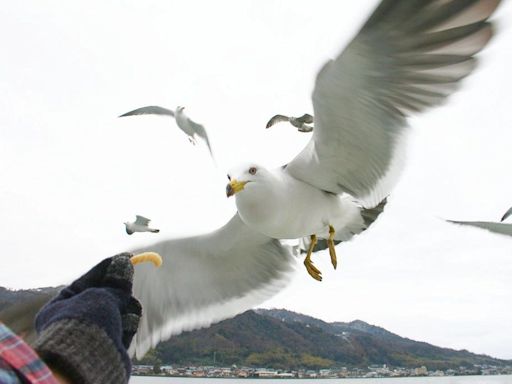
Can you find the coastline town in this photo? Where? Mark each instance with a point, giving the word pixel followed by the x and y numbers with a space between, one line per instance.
pixel 373 371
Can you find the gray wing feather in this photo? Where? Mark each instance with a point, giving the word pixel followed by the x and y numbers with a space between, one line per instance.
pixel 500 228
pixel 277 119
pixel 151 110
pixel 409 56
pixel 201 132
pixel 205 279
pixel 141 220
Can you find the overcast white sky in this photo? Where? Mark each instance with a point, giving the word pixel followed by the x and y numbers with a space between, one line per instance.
pixel 72 173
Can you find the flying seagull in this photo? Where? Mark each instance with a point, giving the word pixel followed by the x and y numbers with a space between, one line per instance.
pixel 492 226
pixel 190 127
pixel 408 56
pixel 139 225
pixel 301 123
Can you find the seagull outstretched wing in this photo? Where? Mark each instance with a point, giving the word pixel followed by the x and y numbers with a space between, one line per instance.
pixel 277 119
pixel 205 279
pixel 151 110
pixel 409 56
pixel 491 226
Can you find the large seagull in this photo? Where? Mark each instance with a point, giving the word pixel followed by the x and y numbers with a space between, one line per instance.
pixel 408 56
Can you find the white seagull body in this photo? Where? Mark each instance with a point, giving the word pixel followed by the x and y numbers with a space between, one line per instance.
pixel 409 56
pixel 191 128
pixel 284 193
pixel 141 224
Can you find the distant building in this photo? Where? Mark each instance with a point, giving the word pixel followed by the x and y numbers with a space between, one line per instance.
pixel 264 372
pixel 421 371
pixel 142 369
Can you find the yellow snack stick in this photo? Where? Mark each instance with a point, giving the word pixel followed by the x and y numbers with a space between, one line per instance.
pixel 153 257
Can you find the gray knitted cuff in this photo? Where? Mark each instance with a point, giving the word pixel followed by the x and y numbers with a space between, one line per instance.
pixel 83 352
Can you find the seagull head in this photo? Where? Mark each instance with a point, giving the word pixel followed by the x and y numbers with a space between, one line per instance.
pixel 179 108
pixel 241 176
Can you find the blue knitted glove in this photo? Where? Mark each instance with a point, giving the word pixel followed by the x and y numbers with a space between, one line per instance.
pixel 84 331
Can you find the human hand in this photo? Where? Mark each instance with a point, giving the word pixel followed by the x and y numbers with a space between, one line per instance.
pixel 85 330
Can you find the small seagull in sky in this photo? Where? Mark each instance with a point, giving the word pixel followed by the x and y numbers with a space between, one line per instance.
pixel 139 225
pixel 188 126
pixel 301 123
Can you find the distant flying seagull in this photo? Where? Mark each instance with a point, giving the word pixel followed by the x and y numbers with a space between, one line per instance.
pixel 492 226
pixel 139 225
pixel 408 57
pixel 188 126
pixel 301 123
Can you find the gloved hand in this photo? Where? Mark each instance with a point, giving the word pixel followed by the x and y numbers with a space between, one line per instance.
pixel 84 331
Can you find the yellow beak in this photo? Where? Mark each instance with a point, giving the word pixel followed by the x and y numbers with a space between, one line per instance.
pixel 234 186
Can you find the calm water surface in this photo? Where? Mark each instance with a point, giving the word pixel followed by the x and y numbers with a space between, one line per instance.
pixel 506 379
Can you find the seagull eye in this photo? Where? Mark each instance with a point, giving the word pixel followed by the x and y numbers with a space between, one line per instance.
pixel 252 170
pixel 229 177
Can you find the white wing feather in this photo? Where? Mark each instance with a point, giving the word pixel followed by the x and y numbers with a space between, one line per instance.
pixel 205 279
pixel 408 56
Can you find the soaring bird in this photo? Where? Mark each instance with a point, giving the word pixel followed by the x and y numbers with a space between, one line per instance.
pixel 190 127
pixel 139 225
pixel 301 123
pixel 407 57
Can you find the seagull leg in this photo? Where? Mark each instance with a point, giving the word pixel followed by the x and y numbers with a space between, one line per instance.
pixel 191 139
pixel 312 270
pixel 332 250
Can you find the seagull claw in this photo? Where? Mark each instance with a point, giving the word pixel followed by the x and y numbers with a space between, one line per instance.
pixel 332 249
pixel 309 267
pixel 313 271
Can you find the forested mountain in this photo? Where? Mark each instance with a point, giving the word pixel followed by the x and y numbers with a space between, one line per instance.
pixel 283 339
pixel 287 340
